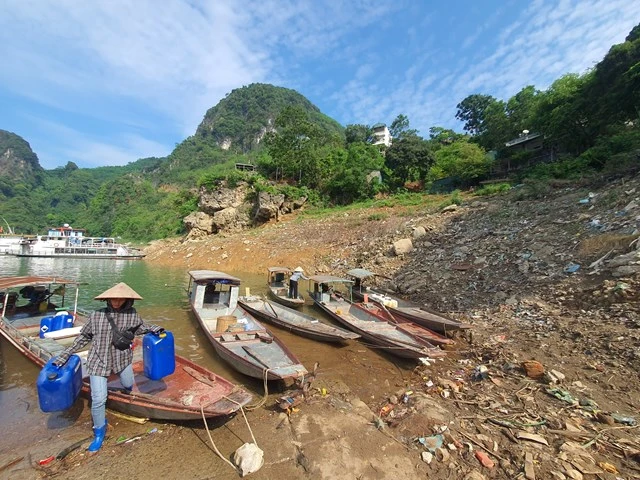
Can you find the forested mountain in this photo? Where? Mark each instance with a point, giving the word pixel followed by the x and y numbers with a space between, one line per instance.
pixel 240 120
pixel 18 163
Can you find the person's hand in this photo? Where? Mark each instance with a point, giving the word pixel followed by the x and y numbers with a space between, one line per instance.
pixel 58 363
pixel 158 332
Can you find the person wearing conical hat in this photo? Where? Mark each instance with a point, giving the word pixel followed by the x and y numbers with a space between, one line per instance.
pixel 111 331
pixel 298 273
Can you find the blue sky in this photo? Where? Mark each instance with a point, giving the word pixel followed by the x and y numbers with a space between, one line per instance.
pixel 106 82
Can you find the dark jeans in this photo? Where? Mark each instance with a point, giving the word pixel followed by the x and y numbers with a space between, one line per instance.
pixel 293 289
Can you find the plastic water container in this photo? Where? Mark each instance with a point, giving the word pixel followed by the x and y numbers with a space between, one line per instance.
pixel 46 325
pixel 158 355
pixel 62 321
pixel 58 388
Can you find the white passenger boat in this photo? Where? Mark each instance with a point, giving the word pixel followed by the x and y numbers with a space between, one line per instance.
pixel 71 242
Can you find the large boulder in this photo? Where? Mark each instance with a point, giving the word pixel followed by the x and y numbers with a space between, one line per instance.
pixel 212 201
pixel 402 246
pixel 198 224
pixel 226 219
pixel 268 206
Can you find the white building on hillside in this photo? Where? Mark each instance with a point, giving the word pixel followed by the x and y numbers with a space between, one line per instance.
pixel 381 135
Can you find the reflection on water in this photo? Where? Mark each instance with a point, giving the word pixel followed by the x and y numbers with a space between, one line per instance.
pixel 165 302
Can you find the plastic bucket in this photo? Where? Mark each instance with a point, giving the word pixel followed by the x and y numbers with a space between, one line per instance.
pixel 224 322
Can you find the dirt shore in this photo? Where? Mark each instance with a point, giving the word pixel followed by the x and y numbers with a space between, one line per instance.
pixel 546 385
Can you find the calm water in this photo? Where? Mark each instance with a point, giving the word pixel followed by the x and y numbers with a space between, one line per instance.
pixel 165 303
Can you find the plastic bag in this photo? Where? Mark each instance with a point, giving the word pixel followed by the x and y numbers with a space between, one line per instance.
pixel 248 458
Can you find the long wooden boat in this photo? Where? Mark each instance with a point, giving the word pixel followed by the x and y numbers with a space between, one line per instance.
pixel 295 321
pixel 278 288
pixel 178 396
pixel 403 309
pixel 403 324
pixel 384 334
pixel 235 334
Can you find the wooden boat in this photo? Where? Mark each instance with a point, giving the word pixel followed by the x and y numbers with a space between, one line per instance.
pixel 384 334
pixel 178 396
pixel 295 321
pixel 403 309
pixel 277 282
pixel 236 335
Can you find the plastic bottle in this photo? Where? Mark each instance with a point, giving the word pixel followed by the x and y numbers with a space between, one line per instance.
pixel 58 388
pixel 158 355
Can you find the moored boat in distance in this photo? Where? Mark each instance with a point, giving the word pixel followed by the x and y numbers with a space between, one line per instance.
pixel 295 321
pixel 277 282
pixel 179 396
pixel 68 242
pixel 403 309
pixel 238 338
pixel 384 334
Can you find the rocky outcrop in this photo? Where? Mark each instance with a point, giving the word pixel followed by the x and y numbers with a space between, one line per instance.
pixel 268 206
pixel 212 201
pixel 224 209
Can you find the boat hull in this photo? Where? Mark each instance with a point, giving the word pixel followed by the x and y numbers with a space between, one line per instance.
pixel 307 330
pixel 274 293
pixel 415 314
pixel 418 350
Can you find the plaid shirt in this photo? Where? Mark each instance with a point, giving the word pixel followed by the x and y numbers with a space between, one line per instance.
pixel 103 357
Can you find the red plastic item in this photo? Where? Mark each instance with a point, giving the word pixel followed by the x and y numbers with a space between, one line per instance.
pixel 384 411
pixel 484 459
pixel 46 461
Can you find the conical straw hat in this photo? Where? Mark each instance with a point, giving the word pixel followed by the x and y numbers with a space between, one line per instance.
pixel 298 269
pixel 121 290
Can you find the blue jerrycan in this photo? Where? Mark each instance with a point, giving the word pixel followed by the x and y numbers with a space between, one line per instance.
pixel 159 356
pixel 46 325
pixel 58 388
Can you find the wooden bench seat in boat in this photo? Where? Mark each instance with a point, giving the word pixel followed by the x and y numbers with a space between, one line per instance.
pixel 265 355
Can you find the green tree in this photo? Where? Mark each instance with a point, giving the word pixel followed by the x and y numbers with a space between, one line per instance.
pixel 399 128
pixel 463 160
pixel 408 160
pixel 472 110
pixel 358 133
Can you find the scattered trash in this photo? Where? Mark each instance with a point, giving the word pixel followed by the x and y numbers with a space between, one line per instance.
pixel 630 421
pixel 572 268
pixel 484 459
pixel 481 372
pixel 384 411
pixel 562 395
pixel 532 437
pixel 432 443
pixel 46 461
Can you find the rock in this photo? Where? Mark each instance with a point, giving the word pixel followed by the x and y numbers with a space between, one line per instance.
pixel 626 271
pixel 533 369
pixel 427 457
pixel 198 224
pixel 268 206
pixel 212 201
pixel 451 208
pixel 402 246
pixel 224 219
pixel 624 259
pixel 560 376
pixel 418 232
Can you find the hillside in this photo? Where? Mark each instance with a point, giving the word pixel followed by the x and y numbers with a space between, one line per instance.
pixel 241 119
pixel 18 163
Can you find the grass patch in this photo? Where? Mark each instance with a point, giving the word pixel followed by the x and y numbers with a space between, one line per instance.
pixel 492 189
pixel 601 244
pixel 376 217
pixel 454 199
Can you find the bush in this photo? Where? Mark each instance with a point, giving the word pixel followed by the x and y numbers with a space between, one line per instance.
pixel 454 199
pixel 492 189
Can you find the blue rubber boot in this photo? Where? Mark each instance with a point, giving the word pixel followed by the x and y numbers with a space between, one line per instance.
pixel 99 434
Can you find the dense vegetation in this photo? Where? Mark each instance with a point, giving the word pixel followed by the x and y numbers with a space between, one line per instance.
pixel 588 122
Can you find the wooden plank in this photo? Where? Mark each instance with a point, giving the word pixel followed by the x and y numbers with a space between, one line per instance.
pixel 267 355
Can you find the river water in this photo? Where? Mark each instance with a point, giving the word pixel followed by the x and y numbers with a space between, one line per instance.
pixel 164 292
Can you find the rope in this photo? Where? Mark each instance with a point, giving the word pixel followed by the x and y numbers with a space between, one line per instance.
pixel 266 392
pixel 206 426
